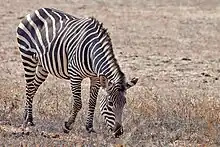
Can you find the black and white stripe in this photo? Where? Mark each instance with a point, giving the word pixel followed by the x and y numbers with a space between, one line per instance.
pixel 68 47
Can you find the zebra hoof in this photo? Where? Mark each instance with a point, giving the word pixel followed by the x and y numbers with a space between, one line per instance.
pixel 30 123
pixel 65 128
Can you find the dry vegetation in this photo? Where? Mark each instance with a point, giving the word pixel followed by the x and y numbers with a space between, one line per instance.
pixel 171 45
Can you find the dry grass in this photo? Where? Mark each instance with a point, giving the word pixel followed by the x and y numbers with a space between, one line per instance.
pixel 173 46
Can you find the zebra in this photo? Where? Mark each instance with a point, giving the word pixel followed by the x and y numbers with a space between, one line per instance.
pixel 72 48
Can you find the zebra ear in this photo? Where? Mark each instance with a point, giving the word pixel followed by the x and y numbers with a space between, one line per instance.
pixel 103 81
pixel 131 83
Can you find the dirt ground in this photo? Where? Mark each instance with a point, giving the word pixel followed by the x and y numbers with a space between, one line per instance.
pixel 173 46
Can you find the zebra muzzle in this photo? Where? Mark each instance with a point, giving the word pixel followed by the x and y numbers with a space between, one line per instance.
pixel 118 130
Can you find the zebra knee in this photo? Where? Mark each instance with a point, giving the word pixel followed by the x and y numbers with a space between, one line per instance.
pixel 77 107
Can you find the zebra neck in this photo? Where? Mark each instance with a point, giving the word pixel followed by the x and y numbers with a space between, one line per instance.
pixel 104 63
pixel 114 74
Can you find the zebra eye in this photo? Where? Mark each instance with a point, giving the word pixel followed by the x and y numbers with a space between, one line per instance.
pixel 110 103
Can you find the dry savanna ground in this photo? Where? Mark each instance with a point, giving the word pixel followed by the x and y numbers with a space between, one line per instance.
pixel 173 46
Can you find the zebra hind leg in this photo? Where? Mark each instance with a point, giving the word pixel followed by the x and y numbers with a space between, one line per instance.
pixel 31 88
pixel 40 77
pixel 94 89
pixel 30 65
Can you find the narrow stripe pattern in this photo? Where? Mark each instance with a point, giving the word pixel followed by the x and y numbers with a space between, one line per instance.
pixel 71 48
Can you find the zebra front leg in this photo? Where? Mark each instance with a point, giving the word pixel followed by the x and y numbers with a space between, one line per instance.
pixel 94 89
pixel 76 103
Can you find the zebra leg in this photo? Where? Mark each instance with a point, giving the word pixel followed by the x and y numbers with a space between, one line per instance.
pixel 94 89
pixel 39 78
pixel 76 103
pixel 30 65
pixel 28 117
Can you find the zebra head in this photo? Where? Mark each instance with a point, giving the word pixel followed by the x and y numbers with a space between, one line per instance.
pixel 112 103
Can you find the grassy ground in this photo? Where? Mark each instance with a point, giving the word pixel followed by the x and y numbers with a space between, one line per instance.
pixel 172 46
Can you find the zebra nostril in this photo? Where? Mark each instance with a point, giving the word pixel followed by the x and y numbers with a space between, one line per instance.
pixel 110 130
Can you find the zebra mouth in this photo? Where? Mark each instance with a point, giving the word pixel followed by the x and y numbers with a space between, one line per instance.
pixel 118 131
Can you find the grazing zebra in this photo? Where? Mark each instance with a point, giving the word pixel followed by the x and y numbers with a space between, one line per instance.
pixel 72 48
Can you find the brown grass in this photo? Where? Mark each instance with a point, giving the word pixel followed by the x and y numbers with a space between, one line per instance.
pixel 172 46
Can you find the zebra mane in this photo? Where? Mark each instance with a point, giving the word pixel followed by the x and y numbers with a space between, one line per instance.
pixel 104 31
pixel 106 34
